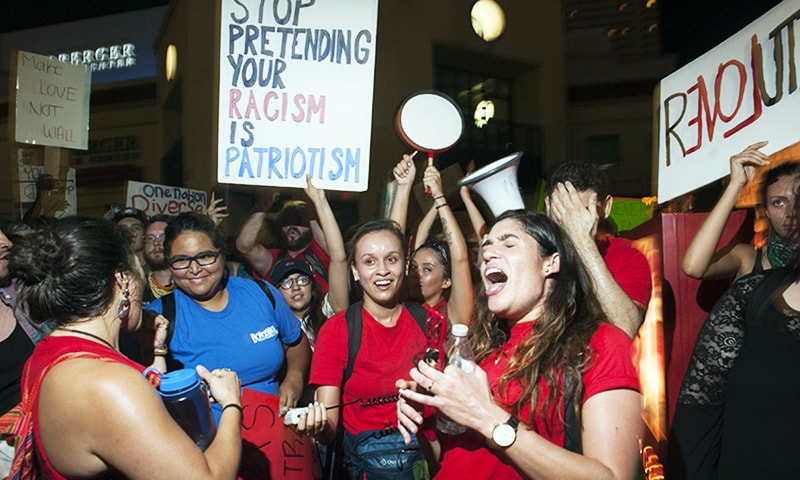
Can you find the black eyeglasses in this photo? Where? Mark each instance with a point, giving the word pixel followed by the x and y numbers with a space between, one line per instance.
pixel 204 259
pixel 287 282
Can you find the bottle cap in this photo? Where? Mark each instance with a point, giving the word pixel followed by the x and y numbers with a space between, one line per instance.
pixel 177 382
pixel 459 330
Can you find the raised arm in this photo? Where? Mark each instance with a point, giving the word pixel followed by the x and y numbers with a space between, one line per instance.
pixel 338 292
pixel 256 254
pixel 424 227
pixel 565 206
pixel 215 211
pixel 404 173
pixel 461 305
pixel 700 260
pixel 475 217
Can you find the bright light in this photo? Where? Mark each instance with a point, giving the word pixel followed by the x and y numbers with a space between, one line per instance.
pixel 171 62
pixel 484 112
pixel 488 19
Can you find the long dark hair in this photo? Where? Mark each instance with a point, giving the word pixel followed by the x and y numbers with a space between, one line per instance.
pixel 560 338
pixel 67 268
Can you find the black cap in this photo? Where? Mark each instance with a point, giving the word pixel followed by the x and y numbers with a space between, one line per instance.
pixel 286 266
pixel 130 213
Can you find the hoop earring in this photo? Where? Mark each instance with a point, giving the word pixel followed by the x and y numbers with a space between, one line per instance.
pixel 124 306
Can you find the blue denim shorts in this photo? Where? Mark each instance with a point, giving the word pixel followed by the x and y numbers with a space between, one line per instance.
pixel 383 454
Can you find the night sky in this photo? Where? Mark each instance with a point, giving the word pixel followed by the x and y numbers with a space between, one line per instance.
pixel 690 27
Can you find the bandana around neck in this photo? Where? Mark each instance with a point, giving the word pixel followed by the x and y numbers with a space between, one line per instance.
pixel 779 251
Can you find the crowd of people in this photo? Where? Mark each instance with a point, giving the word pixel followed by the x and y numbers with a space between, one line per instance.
pixel 352 334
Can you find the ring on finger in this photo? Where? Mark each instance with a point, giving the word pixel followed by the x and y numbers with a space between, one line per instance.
pixel 430 387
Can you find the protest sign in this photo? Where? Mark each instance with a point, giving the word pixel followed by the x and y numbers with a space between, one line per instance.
pixel 269 448
pixel 154 199
pixel 295 97
pixel 53 206
pixel 741 92
pixel 49 102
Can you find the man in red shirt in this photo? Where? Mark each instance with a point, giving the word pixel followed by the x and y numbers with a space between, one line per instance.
pixel 300 237
pixel 579 202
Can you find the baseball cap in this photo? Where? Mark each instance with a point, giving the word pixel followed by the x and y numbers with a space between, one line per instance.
pixel 130 213
pixel 286 266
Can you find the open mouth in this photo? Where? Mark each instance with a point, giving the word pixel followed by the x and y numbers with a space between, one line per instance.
pixel 383 284
pixel 494 280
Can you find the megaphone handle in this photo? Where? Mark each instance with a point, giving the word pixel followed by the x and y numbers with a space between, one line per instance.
pixel 430 164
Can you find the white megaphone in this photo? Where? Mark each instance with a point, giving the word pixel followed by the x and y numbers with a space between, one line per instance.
pixel 497 184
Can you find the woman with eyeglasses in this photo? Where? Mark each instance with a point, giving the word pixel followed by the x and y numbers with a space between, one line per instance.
pixel 442 279
pixel 230 322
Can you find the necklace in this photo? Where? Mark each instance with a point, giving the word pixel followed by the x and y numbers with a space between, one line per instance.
pixel 92 335
pixel 158 289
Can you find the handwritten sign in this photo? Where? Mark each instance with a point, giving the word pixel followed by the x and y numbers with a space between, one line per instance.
pixel 296 84
pixel 50 102
pixel 270 449
pixel 154 199
pixel 742 91
pixel 55 206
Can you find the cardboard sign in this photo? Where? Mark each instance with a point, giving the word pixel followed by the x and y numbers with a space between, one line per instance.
pixel 269 448
pixel 741 92
pixel 154 199
pixel 295 99
pixel 53 206
pixel 50 104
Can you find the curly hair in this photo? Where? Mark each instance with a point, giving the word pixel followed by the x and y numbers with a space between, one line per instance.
pixel 560 337
pixel 67 269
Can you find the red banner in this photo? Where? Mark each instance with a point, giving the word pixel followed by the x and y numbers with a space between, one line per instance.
pixel 270 449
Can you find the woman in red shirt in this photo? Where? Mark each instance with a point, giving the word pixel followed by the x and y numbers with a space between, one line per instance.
pixel 539 309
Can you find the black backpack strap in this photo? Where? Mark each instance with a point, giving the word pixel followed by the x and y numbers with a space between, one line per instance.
pixel 353 320
pixel 572 427
pixel 419 313
pixel 262 284
pixel 169 312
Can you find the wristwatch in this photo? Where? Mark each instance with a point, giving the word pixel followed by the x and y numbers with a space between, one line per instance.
pixel 504 434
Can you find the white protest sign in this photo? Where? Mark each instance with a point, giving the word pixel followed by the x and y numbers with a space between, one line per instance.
pixel 50 102
pixel 57 205
pixel 154 199
pixel 295 99
pixel 741 92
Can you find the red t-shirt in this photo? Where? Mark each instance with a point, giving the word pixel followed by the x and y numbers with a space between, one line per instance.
pixel 386 355
pixel 321 254
pixel 47 351
pixel 467 456
pixel 629 268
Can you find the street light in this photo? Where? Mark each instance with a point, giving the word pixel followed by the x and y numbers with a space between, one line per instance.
pixel 488 19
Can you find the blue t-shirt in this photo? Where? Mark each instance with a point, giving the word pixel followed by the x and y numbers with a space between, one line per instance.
pixel 247 336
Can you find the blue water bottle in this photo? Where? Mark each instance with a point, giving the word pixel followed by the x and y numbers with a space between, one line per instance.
pixel 186 399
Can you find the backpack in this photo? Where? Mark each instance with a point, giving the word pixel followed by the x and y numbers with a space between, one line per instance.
pixel 333 467
pixel 16 426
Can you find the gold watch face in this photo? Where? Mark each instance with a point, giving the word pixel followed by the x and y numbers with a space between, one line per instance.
pixel 504 435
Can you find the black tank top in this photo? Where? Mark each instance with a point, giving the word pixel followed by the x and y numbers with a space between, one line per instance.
pixel 16 350
pixel 758 267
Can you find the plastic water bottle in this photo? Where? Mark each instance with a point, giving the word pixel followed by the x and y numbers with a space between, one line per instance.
pixel 459 353
pixel 186 399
